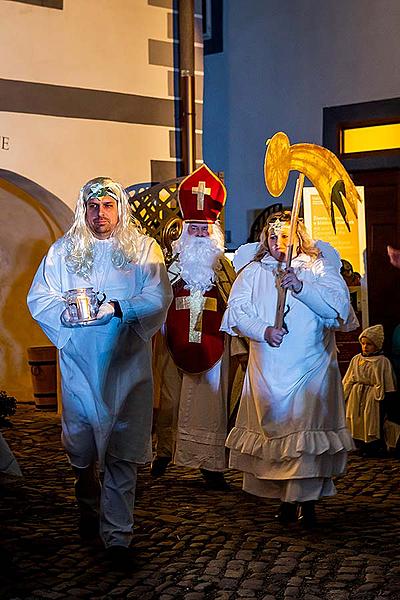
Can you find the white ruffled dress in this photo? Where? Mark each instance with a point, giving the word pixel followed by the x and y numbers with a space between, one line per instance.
pixel 290 436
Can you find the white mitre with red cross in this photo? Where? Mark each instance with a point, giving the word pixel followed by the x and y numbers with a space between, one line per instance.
pixel 201 196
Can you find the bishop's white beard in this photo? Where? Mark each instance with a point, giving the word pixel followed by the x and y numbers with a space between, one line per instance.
pixel 198 261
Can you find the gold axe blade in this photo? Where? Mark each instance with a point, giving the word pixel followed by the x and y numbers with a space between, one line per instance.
pixel 321 167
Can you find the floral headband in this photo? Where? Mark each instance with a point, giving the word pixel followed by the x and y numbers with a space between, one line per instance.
pixel 98 190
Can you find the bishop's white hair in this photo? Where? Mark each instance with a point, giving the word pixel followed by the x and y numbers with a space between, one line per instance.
pixel 80 241
pixel 198 258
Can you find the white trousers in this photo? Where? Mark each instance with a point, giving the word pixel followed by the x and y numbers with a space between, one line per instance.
pixel 112 500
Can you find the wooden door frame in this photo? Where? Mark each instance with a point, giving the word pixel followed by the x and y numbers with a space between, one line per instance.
pixel 378 112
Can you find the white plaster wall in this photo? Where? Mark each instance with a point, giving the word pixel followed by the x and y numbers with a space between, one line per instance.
pixel 93 44
pixel 283 61
pixel 64 153
pixel 97 44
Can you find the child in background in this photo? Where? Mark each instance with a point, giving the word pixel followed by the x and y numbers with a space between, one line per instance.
pixel 369 377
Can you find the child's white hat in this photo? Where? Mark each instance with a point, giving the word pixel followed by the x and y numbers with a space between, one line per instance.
pixel 374 334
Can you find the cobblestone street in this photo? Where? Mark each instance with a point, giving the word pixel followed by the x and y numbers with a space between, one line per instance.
pixel 193 543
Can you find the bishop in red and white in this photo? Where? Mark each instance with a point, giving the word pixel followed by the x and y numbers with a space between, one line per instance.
pixel 192 355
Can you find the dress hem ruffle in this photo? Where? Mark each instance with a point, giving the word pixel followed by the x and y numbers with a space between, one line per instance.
pixel 291 446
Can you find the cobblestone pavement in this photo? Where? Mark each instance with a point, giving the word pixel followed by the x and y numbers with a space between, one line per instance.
pixel 193 543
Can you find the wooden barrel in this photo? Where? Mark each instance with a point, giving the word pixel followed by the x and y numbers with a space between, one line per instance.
pixel 43 363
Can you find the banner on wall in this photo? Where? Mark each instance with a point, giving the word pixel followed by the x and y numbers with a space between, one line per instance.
pixel 351 245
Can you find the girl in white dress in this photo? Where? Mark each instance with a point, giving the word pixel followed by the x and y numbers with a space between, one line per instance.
pixel 290 436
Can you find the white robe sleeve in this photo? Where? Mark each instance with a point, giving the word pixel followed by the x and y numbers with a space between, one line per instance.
pixel 386 379
pixel 327 295
pixel 147 310
pixel 240 317
pixel 45 298
pixel 349 379
pixel 331 256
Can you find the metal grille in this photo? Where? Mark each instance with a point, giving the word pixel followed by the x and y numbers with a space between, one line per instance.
pixel 156 208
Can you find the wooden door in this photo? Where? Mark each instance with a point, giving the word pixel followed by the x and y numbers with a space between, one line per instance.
pixel 382 215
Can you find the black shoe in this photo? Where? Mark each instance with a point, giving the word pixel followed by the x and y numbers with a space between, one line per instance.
pixel 215 480
pixel 159 466
pixel 121 558
pixel 375 451
pixel 307 516
pixel 287 513
pixel 88 527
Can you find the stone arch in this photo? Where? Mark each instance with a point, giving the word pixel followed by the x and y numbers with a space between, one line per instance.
pixel 31 219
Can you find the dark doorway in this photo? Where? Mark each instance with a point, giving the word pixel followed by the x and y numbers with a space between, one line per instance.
pixel 379 172
pixel 382 215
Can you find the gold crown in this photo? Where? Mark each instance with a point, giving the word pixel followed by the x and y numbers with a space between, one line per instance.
pixel 277 225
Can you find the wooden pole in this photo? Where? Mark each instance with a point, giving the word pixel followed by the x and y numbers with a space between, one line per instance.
pixel 280 309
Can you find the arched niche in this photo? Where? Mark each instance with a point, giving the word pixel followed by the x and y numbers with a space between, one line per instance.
pixel 31 219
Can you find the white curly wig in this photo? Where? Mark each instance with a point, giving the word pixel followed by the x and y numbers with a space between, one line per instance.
pixel 80 241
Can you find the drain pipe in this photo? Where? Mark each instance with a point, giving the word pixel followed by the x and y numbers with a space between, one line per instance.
pixel 186 85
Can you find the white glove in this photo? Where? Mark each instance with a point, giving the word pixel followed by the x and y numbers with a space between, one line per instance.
pixel 105 314
pixel 66 320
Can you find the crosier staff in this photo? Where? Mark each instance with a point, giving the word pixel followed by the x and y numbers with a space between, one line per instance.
pixel 282 292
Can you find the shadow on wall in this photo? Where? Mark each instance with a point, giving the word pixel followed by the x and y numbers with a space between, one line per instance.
pixel 31 219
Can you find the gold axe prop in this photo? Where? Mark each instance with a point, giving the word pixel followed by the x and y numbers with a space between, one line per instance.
pixel 325 172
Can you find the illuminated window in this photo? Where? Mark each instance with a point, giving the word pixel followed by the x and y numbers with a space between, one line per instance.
pixel 371 139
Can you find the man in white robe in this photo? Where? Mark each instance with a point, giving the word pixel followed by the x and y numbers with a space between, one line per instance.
pixel 290 436
pixel 194 394
pixel 105 362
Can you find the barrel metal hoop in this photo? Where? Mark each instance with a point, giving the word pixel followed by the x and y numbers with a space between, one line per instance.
pixel 40 363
